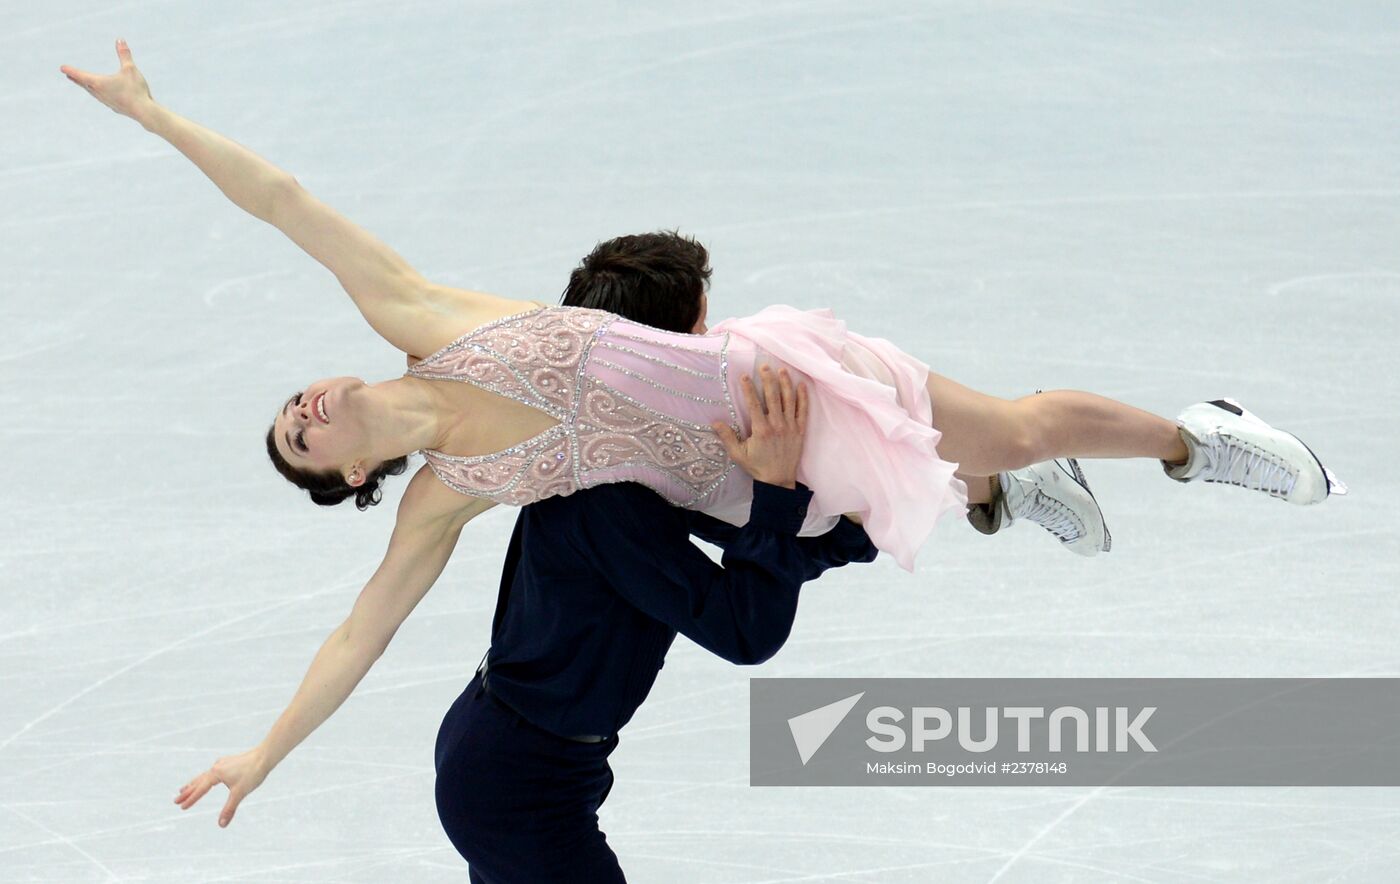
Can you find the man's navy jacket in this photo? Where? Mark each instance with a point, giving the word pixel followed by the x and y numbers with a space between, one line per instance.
pixel 596 585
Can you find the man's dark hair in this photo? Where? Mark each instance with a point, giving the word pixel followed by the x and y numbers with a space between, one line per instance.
pixel 655 279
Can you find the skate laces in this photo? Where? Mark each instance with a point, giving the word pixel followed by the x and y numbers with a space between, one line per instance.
pixel 1234 461
pixel 1053 516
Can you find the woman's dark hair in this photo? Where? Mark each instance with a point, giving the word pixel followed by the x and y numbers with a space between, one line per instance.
pixel 655 279
pixel 329 489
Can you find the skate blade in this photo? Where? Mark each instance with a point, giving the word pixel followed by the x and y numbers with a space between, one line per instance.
pixel 1335 486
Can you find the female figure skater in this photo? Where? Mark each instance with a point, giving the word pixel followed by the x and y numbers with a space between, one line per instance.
pixel 553 399
pixel 548 400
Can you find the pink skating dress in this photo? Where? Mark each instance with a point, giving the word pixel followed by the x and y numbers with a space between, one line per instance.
pixel 635 404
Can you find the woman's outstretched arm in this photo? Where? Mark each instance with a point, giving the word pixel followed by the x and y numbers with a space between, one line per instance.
pixel 393 297
pixel 422 543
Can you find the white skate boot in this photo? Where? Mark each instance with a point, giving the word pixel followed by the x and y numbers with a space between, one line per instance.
pixel 1055 496
pixel 1231 446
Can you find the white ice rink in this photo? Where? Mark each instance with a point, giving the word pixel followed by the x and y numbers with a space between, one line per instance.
pixel 1160 202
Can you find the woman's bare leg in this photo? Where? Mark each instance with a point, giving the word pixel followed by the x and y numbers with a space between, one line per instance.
pixel 985 435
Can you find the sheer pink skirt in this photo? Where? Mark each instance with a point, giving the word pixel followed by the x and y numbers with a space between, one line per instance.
pixel 870 447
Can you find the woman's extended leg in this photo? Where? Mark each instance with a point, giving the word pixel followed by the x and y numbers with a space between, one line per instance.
pixel 985 435
pixel 1216 441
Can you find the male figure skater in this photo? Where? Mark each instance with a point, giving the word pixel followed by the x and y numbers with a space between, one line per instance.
pixel 595 587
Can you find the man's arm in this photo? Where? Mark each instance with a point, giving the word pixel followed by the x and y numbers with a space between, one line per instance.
pixel 771 454
pixel 845 543
pixel 740 609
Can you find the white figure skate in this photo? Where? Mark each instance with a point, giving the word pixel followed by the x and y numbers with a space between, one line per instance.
pixel 1055 496
pixel 1231 446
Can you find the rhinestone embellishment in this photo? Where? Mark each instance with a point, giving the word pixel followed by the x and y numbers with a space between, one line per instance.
pixel 590 371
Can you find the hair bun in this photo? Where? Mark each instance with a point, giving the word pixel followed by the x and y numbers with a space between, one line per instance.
pixel 329 489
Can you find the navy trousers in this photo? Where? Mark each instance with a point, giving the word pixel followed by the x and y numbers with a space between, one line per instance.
pixel 519 803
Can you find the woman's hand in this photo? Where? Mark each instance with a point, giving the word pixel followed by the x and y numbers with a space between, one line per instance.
pixel 125 91
pixel 777 424
pixel 241 773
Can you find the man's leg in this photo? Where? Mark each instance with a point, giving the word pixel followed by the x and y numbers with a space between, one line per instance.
pixel 520 804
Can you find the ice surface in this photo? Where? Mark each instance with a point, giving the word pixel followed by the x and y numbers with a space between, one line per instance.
pixel 1163 203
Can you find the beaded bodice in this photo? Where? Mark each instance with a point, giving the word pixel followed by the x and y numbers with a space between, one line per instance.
pixel 632 403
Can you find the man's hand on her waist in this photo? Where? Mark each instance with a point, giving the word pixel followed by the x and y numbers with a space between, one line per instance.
pixel 777 424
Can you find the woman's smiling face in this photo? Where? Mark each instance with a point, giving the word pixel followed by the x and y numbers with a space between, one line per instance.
pixel 318 429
